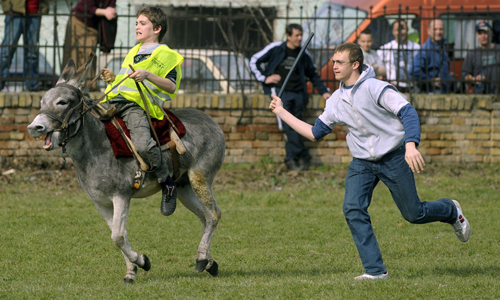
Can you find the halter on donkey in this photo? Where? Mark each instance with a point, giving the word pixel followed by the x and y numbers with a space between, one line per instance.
pixel 109 181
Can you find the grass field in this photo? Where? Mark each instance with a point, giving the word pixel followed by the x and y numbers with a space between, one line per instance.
pixel 282 236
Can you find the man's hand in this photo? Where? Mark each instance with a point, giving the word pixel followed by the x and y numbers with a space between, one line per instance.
pixel 437 82
pixel 110 13
pixel 414 158
pixel 480 79
pixel 326 96
pixel 275 78
pixel 276 104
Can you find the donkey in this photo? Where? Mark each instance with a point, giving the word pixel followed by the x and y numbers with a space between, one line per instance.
pixel 108 181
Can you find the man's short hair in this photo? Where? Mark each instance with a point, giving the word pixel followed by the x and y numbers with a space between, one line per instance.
pixel 291 27
pixel 355 53
pixel 157 16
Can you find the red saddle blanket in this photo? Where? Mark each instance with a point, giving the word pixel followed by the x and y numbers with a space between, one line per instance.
pixel 120 148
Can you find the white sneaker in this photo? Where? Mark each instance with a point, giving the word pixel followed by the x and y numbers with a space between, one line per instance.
pixel 461 225
pixel 372 277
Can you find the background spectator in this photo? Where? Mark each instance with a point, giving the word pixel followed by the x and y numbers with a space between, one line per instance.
pixel 82 31
pixel 397 56
pixel 22 17
pixel 482 65
pixel 431 66
pixel 280 57
pixel 365 41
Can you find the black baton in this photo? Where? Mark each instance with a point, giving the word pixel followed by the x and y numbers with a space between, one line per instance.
pixel 295 64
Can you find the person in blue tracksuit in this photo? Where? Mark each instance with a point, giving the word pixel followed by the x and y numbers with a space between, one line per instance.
pixel 278 59
pixel 384 132
pixel 431 66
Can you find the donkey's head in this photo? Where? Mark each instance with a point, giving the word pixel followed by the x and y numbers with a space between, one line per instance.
pixel 60 105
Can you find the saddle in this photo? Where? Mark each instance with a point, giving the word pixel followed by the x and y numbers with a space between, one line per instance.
pixel 162 128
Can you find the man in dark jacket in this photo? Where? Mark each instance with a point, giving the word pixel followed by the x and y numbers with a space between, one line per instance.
pixel 481 66
pixel 82 32
pixel 279 58
pixel 431 66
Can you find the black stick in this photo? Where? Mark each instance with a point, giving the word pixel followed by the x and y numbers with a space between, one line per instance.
pixel 295 65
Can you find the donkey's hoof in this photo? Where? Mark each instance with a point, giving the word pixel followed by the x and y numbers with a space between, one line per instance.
pixel 128 280
pixel 147 264
pixel 201 265
pixel 214 269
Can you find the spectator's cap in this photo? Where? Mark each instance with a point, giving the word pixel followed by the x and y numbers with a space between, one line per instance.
pixel 483 26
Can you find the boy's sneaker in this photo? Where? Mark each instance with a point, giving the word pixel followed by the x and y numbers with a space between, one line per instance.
pixel 461 225
pixel 168 197
pixel 372 277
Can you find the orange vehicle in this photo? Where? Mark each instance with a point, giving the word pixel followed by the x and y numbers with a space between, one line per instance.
pixel 348 18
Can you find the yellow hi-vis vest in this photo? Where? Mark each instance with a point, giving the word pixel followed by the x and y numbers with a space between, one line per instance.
pixel 161 61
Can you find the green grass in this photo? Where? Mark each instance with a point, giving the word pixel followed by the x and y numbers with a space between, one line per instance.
pixel 282 236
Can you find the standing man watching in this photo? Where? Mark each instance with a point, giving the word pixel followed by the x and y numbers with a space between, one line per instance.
pixel 82 32
pixel 384 133
pixel 482 65
pixel 397 56
pixel 22 17
pixel 279 58
pixel 431 66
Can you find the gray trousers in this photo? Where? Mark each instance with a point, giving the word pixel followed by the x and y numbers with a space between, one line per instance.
pixel 137 123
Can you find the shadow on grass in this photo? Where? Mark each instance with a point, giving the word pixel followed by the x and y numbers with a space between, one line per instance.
pixel 264 273
pixel 468 271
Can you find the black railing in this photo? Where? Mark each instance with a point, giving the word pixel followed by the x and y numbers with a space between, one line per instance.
pixel 217 43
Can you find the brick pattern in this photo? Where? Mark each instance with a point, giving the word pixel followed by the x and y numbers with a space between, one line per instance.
pixel 455 128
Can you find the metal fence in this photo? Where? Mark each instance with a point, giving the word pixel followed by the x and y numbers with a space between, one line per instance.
pixel 217 43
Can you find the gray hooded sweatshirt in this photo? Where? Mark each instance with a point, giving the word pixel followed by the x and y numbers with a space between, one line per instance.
pixel 374 126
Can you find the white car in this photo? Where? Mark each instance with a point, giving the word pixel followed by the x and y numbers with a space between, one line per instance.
pixel 203 71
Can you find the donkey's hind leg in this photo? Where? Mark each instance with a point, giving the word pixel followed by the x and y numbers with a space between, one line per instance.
pixel 200 200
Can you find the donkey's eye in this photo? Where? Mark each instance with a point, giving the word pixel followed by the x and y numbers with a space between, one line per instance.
pixel 62 102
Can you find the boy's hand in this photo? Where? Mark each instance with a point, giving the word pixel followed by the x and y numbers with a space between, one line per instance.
pixel 139 75
pixel 414 158
pixel 275 104
pixel 107 75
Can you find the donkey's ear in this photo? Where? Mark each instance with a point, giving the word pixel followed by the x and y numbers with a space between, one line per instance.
pixel 68 72
pixel 81 74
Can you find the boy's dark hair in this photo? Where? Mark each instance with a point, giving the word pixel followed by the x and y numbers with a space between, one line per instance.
pixel 355 53
pixel 366 31
pixel 157 16
pixel 290 27
pixel 398 21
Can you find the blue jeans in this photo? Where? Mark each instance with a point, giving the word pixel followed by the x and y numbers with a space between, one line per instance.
pixel 294 103
pixel 393 170
pixel 29 27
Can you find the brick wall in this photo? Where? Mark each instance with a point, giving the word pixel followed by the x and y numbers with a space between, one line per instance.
pixel 455 128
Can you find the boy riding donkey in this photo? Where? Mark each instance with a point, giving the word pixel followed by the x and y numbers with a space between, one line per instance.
pixel 158 69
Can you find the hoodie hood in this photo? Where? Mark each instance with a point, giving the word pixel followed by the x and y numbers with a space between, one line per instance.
pixel 366 73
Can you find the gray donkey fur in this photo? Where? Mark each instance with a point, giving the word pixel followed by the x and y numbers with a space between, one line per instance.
pixel 108 181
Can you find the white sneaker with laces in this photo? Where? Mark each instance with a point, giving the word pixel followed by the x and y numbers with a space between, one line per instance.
pixel 461 225
pixel 372 277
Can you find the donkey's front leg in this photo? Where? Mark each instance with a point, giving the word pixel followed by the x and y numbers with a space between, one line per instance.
pixel 119 237
pixel 108 212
